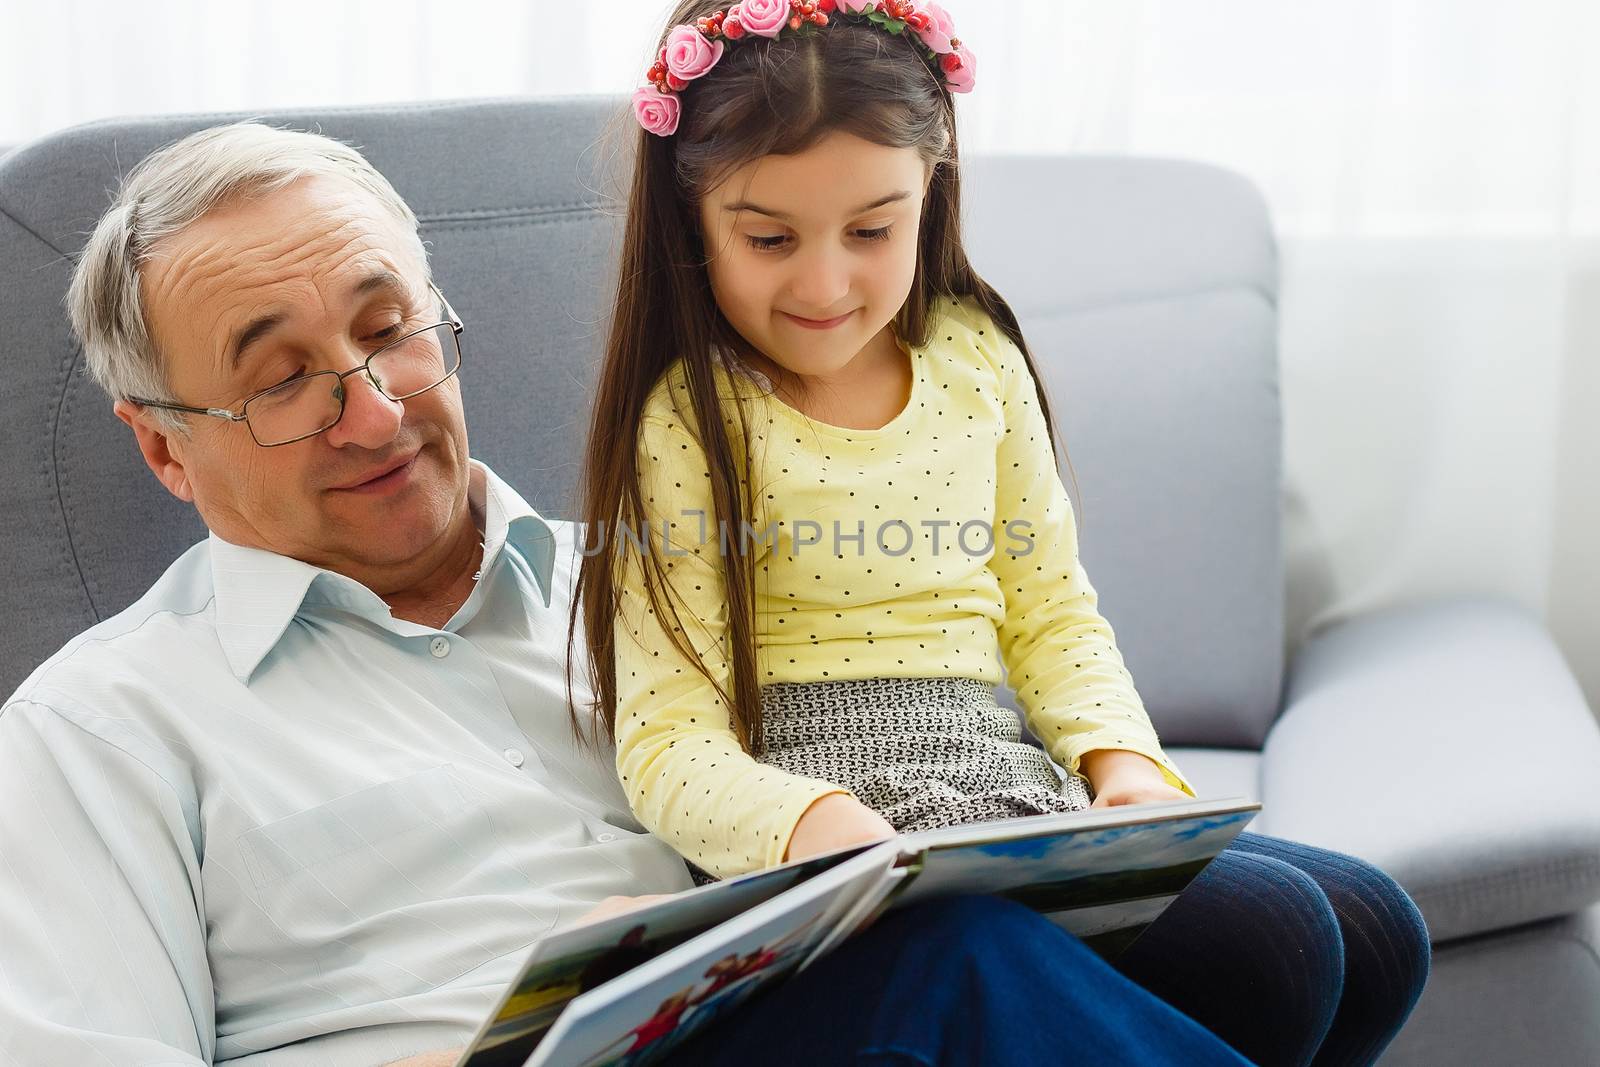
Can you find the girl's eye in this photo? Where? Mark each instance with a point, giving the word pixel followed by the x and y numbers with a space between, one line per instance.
pixel 766 244
pixel 879 234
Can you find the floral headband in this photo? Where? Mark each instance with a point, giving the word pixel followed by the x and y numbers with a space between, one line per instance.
pixel 691 51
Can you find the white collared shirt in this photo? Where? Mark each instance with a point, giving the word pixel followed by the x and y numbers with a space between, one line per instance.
pixel 255 818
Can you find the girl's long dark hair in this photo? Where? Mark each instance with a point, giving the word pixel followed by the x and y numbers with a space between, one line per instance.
pixel 764 97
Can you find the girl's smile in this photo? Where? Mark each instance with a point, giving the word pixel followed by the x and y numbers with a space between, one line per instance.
pixel 818 324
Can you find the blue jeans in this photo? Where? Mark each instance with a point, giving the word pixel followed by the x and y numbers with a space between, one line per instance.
pixel 969 980
pixel 1291 954
pixel 1288 953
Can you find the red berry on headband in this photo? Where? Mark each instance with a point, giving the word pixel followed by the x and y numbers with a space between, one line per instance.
pixel 826 6
pixel 950 62
pixel 819 19
pixel 675 83
pixel 733 29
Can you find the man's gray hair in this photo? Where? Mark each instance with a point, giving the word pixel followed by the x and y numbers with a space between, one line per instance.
pixel 168 191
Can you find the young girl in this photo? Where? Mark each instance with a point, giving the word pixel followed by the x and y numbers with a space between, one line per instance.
pixel 822 508
pixel 826 475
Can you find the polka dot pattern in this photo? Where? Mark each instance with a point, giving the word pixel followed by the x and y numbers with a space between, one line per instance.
pixel 941 544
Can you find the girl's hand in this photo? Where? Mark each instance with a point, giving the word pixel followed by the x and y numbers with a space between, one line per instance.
pixel 835 821
pixel 441 1058
pixel 1126 778
pixel 617 906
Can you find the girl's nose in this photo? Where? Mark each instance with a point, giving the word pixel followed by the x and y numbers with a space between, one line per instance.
pixel 821 282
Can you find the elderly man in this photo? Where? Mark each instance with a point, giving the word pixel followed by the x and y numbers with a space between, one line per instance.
pixel 310 798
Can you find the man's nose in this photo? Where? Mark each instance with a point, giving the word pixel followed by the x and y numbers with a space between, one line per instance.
pixel 370 420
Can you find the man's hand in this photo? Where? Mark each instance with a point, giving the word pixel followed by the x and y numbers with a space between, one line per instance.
pixel 1120 777
pixel 441 1058
pixel 618 905
pixel 835 821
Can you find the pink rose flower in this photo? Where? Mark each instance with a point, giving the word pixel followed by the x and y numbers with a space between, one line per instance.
pixel 941 27
pixel 962 78
pixel 764 17
pixel 689 54
pixel 656 111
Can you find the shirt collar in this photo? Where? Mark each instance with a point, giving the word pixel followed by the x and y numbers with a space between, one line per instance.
pixel 507 518
pixel 258 593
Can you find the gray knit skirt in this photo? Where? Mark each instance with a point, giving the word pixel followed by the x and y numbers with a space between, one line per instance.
pixel 922 752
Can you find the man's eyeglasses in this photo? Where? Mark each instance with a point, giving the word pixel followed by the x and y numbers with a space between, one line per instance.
pixel 306 406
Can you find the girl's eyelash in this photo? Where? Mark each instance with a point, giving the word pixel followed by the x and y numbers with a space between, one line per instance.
pixel 772 244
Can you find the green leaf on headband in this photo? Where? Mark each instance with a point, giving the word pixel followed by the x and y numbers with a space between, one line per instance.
pixel 877 16
pixel 894 25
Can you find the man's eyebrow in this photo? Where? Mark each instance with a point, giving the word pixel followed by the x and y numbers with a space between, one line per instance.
pixel 882 201
pixel 257 328
pixel 262 325
pixel 382 279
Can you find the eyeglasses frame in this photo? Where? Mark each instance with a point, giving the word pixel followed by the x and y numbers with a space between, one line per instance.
pixel 451 320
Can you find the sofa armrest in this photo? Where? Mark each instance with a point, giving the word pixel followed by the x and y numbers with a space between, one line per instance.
pixel 1449 744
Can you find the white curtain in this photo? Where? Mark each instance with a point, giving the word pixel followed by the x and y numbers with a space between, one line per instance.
pixel 1433 167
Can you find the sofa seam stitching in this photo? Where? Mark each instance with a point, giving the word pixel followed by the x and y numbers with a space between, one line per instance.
pixel 58 469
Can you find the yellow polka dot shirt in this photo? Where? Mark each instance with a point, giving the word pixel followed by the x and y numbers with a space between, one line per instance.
pixel 919 549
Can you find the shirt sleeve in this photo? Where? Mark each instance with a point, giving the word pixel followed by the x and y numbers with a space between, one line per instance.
pixel 1060 654
pixel 688 779
pixel 100 906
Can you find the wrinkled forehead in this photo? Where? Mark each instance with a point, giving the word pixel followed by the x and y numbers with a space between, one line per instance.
pixel 302 253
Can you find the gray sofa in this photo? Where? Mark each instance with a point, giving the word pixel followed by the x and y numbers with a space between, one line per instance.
pixel 1446 741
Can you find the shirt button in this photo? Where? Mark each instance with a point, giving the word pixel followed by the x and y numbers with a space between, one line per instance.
pixel 440 647
pixel 513 757
pixel 603 838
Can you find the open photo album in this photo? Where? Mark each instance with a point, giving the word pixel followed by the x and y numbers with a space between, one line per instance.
pixel 630 988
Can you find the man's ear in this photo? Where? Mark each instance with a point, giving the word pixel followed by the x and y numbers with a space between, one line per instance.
pixel 155 444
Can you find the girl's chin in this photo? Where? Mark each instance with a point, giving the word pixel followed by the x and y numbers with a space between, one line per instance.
pixel 825 352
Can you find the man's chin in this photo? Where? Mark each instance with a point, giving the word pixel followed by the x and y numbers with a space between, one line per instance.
pixel 389 530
